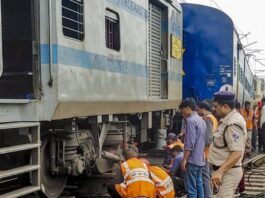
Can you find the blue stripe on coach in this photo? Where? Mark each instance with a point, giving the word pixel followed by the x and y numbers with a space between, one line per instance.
pixel 79 58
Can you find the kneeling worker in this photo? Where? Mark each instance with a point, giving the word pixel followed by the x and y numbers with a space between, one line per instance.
pixel 175 171
pixel 163 182
pixel 136 179
pixel 172 141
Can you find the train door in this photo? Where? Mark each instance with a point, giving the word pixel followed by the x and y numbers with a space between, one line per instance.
pixel 19 52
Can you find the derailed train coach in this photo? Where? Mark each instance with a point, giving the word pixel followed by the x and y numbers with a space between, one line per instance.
pixel 80 81
pixel 214 57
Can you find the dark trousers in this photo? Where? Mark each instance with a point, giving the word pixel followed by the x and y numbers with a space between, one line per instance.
pixel 263 136
pixel 178 185
pixel 112 191
pixel 260 139
pixel 254 139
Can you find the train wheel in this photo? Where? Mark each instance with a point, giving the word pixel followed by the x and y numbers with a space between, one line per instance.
pixel 51 186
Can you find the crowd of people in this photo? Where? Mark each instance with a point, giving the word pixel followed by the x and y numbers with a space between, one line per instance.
pixel 204 158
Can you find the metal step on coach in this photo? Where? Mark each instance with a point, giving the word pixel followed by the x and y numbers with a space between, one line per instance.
pixel 32 130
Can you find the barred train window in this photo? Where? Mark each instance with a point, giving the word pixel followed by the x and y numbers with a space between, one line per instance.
pixel 73 19
pixel 112 30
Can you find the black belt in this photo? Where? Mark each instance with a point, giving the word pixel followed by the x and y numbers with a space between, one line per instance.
pixel 217 167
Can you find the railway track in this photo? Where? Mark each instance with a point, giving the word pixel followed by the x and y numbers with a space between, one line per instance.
pixel 255 176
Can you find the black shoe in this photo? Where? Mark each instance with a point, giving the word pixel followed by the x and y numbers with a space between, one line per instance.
pixel 243 194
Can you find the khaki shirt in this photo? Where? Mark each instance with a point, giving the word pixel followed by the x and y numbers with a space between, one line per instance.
pixel 235 138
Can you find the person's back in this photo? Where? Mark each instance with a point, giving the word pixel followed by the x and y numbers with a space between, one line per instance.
pixel 137 182
pixel 136 179
pixel 163 182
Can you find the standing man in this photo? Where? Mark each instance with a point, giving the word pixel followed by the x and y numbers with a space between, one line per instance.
pixel 227 148
pixel 194 143
pixel 262 124
pixel 204 109
pixel 248 115
pixel 257 125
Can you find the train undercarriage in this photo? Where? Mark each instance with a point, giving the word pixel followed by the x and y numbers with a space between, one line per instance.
pixel 80 155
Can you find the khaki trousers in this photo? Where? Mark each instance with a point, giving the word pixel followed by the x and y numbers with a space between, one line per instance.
pixel 230 182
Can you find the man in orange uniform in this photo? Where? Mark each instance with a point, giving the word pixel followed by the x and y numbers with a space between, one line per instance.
pixel 204 109
pixel 136 178
pixel 248 115
pixel 163 182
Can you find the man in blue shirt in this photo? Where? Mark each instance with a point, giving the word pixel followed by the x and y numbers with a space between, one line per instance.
pixel 175 171
pixel 194 143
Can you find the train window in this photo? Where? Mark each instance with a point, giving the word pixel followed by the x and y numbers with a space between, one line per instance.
pixel 112 30
pixel 73 19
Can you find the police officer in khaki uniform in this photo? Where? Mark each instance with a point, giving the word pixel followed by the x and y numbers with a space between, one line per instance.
pixel 227 147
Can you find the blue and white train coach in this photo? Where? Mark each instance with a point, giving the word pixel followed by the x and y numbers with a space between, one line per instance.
pixel 78 79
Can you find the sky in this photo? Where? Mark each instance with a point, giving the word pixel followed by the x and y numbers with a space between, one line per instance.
pixel 248 16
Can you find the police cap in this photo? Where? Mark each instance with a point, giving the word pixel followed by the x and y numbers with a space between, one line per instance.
pixel 224 96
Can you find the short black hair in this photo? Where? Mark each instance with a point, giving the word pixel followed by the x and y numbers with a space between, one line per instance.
pixel 191 99
pixel 263 100
pixel 247 103
pixel 237 105
pixel 187 103
pixel 204 105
